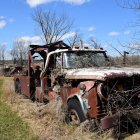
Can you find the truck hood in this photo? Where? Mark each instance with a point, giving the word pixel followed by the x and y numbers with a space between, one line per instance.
pixel 101 73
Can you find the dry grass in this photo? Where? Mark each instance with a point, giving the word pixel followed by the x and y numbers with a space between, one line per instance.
pixel 47 120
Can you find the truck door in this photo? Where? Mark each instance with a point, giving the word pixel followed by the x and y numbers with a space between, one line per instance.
pixel 56 72
pixel 27 83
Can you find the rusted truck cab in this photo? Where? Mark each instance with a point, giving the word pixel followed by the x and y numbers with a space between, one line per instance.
pixel 32 81
pixel 88 86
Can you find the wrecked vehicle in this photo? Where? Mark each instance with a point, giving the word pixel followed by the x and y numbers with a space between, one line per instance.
pixel 10 71
pixel 88 86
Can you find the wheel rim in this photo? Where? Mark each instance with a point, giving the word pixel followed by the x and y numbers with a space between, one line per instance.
pixel 74 117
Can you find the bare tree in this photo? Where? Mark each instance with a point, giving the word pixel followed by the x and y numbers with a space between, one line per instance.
pixel 94 43
pixel 53 26
pixel 19 52
pixel 130 4
pixel 2 55
pixel 75 40
pixel 134 5
pixel 133 46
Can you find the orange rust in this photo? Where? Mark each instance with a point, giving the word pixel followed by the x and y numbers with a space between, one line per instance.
pixel 93 102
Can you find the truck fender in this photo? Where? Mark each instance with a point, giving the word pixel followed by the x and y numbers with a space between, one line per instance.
pixel 79 98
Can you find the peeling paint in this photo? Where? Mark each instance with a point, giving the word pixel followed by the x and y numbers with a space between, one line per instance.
pixel 100 73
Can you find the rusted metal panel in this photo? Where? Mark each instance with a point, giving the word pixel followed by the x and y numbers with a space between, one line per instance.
pixel 25 84
pixel 68 91
pixel 100 73
pixel 88 84
pixel 93 103
pixel 109 121
pixel 64 93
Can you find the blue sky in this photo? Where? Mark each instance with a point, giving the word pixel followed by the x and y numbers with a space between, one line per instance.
pixel 102 19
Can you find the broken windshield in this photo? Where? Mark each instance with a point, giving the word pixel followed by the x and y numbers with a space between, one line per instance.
pixel 84 59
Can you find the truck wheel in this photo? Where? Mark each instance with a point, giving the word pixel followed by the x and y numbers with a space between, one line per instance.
pixel 18 87
pixel 32 94
pixel 75 112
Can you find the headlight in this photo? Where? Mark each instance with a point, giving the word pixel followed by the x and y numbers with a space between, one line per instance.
pixel 82 87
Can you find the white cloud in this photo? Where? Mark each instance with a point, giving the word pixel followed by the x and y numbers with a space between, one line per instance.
pixel 134 46
pixel 34 3
pixel 2 17
pixel 77 2
pixel 68 35
pixel 105 46
pixel 4 44
pixel 91 29
pixel 86 45
pixel 38 40
pixel 11 20
pixel 31 40
pixel 113 33
pixel 2 24
pixel 127 32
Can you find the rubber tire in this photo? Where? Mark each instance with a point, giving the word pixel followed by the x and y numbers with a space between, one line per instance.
pixel 32 94
pixel 73 104
pixel 18 87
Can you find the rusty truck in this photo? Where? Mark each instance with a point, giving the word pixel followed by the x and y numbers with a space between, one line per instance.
pixel 89 87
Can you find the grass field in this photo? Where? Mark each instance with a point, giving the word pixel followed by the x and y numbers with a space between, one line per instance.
pixel 12 127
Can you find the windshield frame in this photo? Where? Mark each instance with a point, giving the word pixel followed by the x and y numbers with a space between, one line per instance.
pixel 96 51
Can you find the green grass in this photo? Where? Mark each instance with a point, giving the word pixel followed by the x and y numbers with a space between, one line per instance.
pixel 1 82
pixel 12 127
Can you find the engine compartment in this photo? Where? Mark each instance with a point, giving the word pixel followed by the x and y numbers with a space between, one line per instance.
pixel 122 93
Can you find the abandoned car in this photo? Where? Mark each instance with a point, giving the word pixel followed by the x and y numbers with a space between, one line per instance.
pixel 88 86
